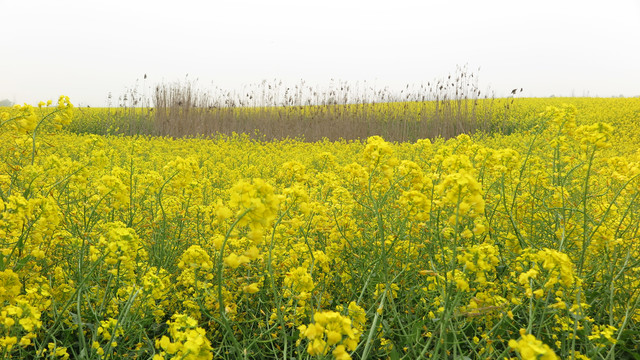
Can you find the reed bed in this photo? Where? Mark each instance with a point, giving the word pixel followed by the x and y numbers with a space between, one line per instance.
pixel 443 108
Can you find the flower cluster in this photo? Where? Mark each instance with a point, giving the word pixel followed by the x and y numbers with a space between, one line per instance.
pixel 185 341
pixel 531 348
pixel 256 204
pixel 330 330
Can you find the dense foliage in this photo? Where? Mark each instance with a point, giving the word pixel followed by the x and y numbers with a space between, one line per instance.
pixel 519 246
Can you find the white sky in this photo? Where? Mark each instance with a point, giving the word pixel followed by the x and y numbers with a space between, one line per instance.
pixel 86 49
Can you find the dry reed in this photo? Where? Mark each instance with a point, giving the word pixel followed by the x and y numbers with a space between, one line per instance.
pixel 270 110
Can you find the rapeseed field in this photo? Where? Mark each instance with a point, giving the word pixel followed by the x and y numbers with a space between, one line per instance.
pixel 485 246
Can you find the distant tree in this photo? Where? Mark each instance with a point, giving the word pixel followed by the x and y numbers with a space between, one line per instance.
pixel 6 102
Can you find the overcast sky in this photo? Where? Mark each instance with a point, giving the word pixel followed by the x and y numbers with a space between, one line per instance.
pixel 86 49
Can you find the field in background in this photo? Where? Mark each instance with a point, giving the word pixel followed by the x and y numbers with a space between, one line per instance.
pixel 268 111
pixel 395 121
pixel 522 242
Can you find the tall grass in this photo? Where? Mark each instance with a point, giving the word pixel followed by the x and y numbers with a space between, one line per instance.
pixel 272 110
